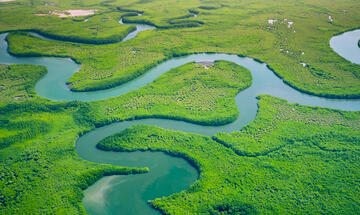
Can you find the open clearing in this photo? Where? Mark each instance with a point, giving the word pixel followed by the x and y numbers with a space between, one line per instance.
pixel 69 13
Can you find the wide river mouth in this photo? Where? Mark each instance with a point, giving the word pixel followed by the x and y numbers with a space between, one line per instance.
pixel 128 194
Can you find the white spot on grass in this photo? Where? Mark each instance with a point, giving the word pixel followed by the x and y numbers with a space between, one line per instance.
pixel 6 0
pixel 206 64
pixel 303 64
pixel 272 21
pixel 289 24
pixel 331 19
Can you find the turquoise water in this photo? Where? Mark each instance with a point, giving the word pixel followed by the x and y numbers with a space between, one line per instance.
pixel 139 28
pixel 346 45
pixel 128 194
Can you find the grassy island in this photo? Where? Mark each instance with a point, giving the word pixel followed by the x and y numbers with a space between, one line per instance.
pixel 192 92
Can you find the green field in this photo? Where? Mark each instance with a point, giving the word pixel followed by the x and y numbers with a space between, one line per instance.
pixel 291 159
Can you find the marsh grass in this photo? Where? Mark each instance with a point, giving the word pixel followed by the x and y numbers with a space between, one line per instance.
pixel 189 92
pixel 236 28
pixel 289 150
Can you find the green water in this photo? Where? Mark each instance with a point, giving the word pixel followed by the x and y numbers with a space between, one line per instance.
pixel 129 194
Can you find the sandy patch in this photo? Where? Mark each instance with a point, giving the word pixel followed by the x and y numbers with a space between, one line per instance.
pixel 206 64
pixel 69 13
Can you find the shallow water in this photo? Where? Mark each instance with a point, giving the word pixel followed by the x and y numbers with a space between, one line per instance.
pixel 128 194
pixel 139 28
pixel 346 45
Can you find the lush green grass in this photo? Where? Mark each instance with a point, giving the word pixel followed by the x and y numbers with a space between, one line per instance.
pixel 101 63
pixel 40 172
pixel 189 92
pixel 237 27
pixel 103 27
pixel 291 160
pixel 18 81
pixel 325 128
pixel 37 136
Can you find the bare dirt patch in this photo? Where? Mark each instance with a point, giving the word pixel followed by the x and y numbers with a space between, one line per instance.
pixel 69 13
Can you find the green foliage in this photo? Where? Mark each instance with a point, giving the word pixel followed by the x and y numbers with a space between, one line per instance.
pixel 235 27
pixel 191 92
pixel 103 27
pixel 291 160
pixel 23 130
pixel 300 173
pixel 40 172
pixel 18 81
pixel 289 125
pixel 102 65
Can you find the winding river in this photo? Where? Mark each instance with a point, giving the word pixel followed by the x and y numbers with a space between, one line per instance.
pixel 128 194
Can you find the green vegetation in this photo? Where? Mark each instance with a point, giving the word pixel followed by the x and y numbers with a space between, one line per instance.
pixel 40 172
pixel 18 81
pixel 38 159
pixel 99 28
pixel 291 160
pixel 101 64
pixel 103 27
pixel 290 125
pixel 235 27
pixel 191 92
